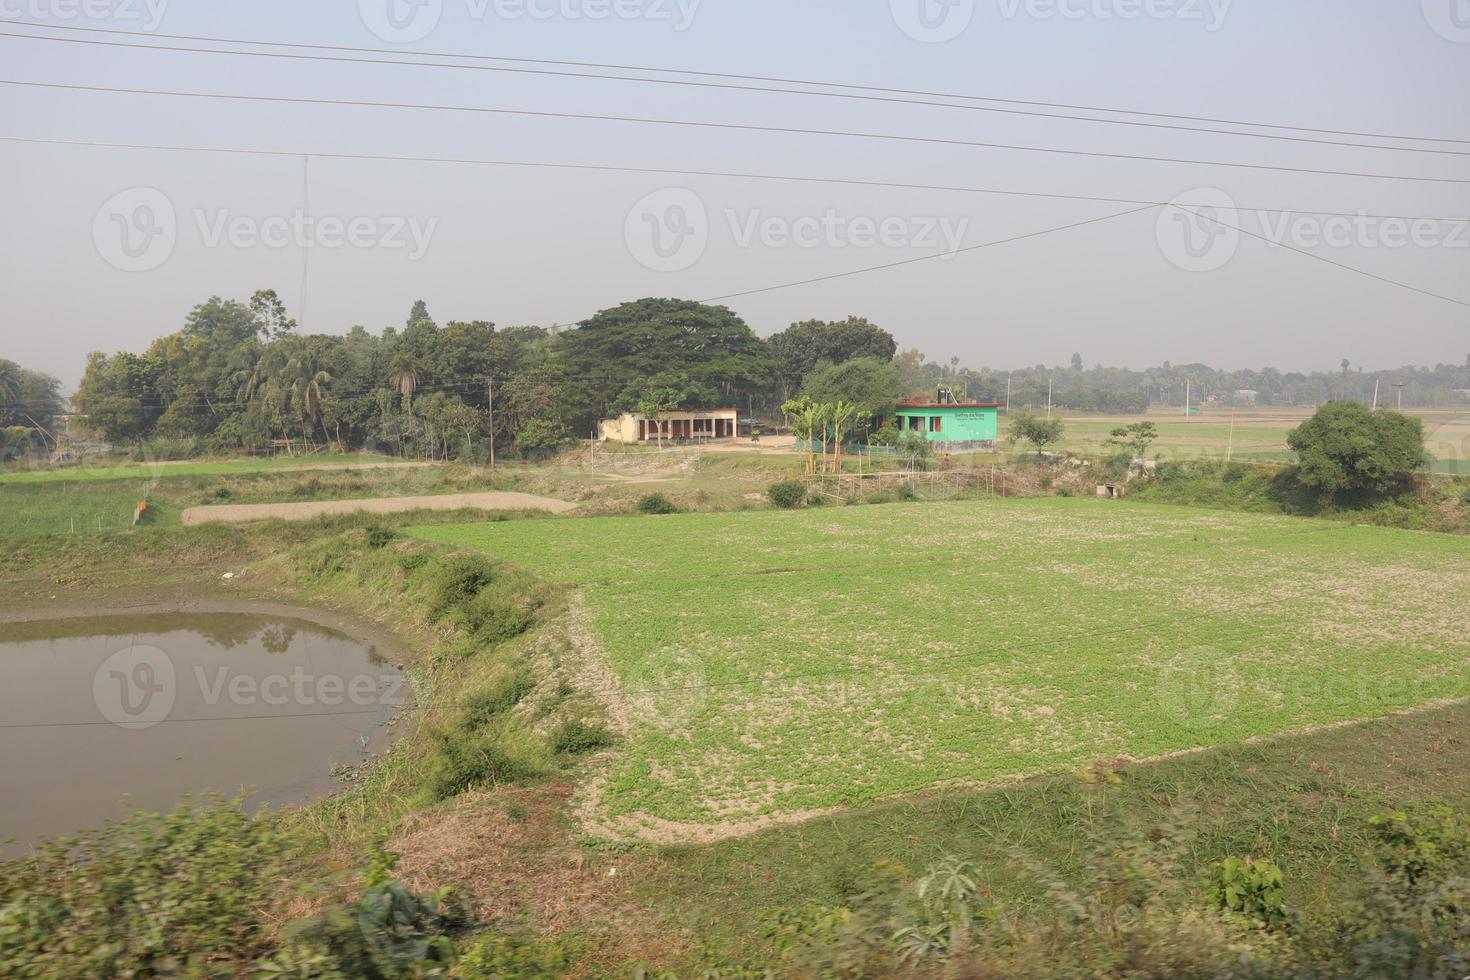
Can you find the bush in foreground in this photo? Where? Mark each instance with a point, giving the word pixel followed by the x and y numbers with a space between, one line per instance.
pixel 656 503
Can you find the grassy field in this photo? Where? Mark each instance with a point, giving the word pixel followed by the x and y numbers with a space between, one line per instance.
pixel 773 665
pixel 110 469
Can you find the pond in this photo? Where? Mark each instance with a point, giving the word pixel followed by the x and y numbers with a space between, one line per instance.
pixel 149 708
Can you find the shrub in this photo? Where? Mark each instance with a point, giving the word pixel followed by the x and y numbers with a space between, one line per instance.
pixel 788 494
pixel 656 503
pixel 463 761
pixel 513 956
pixel 1348 450
pixel 579 738
pixel 458 580
pixel 379 536
pixel 184 888
pixel 1250 887
pixel 387 934
pixel 906 492
pixel 492 617
pixel 483 706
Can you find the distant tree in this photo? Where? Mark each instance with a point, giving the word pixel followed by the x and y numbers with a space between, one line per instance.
pixel 1346 450
pixel 1038 431
pixel 1076 362
pixel 797 350
pixel 871 385
pixel 652 402
pixel 707 346
pixel 419 314
pixel 1136 438
pixel 540 435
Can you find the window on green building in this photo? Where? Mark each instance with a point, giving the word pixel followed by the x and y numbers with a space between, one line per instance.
pixel 936 423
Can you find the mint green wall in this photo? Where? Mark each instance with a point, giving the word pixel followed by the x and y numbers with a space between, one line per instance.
pixel 960 423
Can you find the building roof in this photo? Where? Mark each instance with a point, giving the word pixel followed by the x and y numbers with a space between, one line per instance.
pixel 951 405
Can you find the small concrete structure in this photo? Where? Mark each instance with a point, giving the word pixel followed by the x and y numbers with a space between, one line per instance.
pixel 701 425
pixel 1112 491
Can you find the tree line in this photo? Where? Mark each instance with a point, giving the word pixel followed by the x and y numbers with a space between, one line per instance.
pixel 243 376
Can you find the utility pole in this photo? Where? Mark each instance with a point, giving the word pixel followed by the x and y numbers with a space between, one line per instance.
pixel 1048 397
pixel 1008 394
pixel 490 401
pixel 1400 386
pixel 1186 400
pixel 1376 382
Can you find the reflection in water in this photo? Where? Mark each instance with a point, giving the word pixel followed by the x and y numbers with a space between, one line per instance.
pixel 154 707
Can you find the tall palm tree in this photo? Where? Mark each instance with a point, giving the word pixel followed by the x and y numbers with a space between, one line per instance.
pixel 10 385
pixel 403 374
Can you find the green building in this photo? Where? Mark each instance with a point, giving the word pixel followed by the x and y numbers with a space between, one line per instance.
pixel 952 426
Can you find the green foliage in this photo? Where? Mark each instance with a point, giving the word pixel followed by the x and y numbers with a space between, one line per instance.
pixel 787 494
pixel 579 738
pixel 656 503
pixel 380 536
pixel 912 447
pixel 1252 887
pixel 800 348
pixel 484 706
pixel 1346 450
pixel 466 760
pixel 870 385
pixel 1038 431
pixel 906 492
pixel 541 435
pixel 1135 437
pixel 387 934
pixel 1419 846
pixel 156 894
pixel 457 580
pixel 507 956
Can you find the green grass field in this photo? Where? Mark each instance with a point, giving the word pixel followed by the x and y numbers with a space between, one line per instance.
pixel 773 664
pixel 108 469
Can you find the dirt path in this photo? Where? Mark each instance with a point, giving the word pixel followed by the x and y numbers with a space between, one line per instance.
pixel 377 505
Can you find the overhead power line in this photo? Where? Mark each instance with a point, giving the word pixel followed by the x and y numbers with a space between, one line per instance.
pixel 684 172
pixel 994 146
pixel 788 130
pixel 855 87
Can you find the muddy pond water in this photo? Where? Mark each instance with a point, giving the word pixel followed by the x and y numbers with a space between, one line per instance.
pixel 149 708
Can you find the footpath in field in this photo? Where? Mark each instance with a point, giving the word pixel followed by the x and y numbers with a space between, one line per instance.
pixel 376 505
pixel 777 664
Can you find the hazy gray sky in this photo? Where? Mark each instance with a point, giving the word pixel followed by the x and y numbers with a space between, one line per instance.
pixel 108 248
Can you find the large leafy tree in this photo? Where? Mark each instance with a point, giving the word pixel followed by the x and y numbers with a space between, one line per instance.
pixel 1346 450
pixel 871 385
pixel 620 348
pixel 797 350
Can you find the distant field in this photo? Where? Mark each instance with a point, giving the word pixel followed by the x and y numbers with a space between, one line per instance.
pixel 774 664
pixel 1254 435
